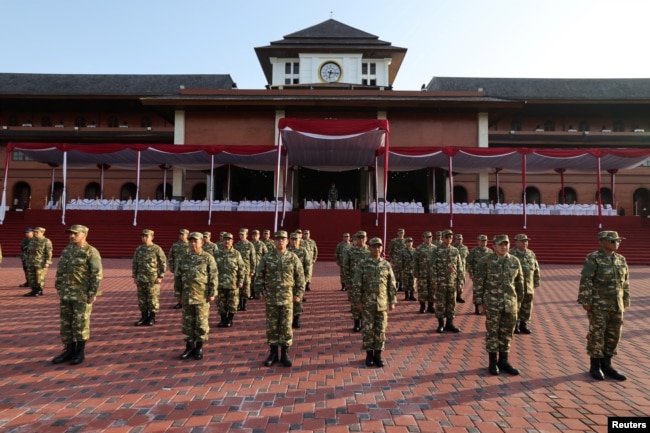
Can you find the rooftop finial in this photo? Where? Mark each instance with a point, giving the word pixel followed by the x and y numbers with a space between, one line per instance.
pixel 331 14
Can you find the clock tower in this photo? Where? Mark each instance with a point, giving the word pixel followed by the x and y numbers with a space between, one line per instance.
pixel 330 54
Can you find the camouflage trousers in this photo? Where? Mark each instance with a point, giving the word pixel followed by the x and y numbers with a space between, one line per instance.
pixel 74 317
pixel 195 321
pixel 148 297
pixel 605 328
pixel 373 331
pixel 245 290
pixel 227 300
pixel 341 276
pixel 36 277
pixel 356 314
pixel 445 301
pixel 297 309
pixel 278 325
pixel 408 281
pixel 526 308
pixel 425 291
pixel 26 271
pixel 500 326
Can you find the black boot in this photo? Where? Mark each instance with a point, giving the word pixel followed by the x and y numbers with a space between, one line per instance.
pixel 79 355
pixel 377 359
pixel 505 365
pixel 307 286
pixel 608 370
pixel 223 320
pixel 66 355
pixel 493 366
pixel 516 331
pixel 476 310
pixel 399 287
pixel 412 296
pixel 273 357
pixel 422 307
pixel 229 319
pixel 189 350
pixel 430 308
pixel 198 350
pixel 370 358
pixel 33 292
pixel 406 295
pixel 178 306
pixel 243 304
pixel 284 359
pixel 296 322
pixel 239 306
pixel 459 298
pixel 357 325
pixel 523 328
pixel 152 319
pixel 595 370
pixel 441 326
pixel 450 326
pixel 143 319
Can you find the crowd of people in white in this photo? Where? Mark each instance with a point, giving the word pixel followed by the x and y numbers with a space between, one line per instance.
pixel 173 204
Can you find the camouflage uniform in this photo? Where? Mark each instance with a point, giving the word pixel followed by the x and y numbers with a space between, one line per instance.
pixel 352 257
pixel 530 267
pixel 195 282
pixel 422 271
pixel 312 248
pixel 260 250
pixel 178 249
pixel 406 263
pixel 395 247
pixel 209 247
pixel 306 261
pixel 447 275
pixel 149 264
pixel 24 247
pixel 39 258
pixel 605 288
pixel 281 277
pixel 232 271
pixel 339 252
pixel 475 256
pixel 374 287
pixel 249 256
pixel 270 246
pixel 464 252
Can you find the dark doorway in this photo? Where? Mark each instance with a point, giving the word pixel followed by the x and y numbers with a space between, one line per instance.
pixel 314 184
pixel 460 194
pixel 492 193
pixel 606 196
pixel 128 190
pixel 533 195
pixel 641 200
pixel 570 196
pixel 92 191
pixel 163 191
pixel 22 195
pixel 244 183
pixel 407 186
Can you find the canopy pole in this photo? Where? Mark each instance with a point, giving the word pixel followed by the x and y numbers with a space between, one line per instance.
pixel 228 185
pixel 3 210
pixel 64 197
pixel 523 187
pixel 137 191
pixel 284 191
pixel 277 182
pixel 52 186
pixel 211 189
pixel 451 192
pixel 377 196
pixel 600 214
pixel 385 238
pixel 496 175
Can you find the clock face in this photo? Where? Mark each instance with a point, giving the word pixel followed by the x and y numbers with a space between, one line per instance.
pixel 330 72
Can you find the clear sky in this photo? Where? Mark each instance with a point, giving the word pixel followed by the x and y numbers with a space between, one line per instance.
pixel 445 38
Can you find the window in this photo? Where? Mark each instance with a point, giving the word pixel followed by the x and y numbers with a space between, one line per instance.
pixel 292 73
pixel 515 125
pixel 583 126
pixel 549 125
pixel 46 121
pixel 80 122
pixel 19 156
pixel 368 74
pixel 619 126
pixel 112 122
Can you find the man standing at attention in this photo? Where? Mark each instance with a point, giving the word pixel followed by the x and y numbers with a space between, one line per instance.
pixel 530 267
pixel 260 250
pixel 310 245
pixel 24 246
pixel 39 259
pixel 178 249
pixel 232 271
pixel 406 261
pixel 281 279
pixel 604 294
pixel 474 256
pixel 423 256
pixel 332 196
pixel 374 293
pixel 249 256
pixel 464 252
pixel 78 275
pixel 395 248
pixel 351 260
pixel 448 276
pixel 498 284
pixel 147 270
pixel 305 260
pixel 195 286
pixel 209 246
pixel 338 256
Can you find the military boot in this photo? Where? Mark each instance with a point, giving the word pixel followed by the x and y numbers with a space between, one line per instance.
pixel 450 326
pixel 441 326
pixel 79 355
pixel 243 304
pixel 505 365
pixel 284 357
pixel 370 358
pixel 608 370
pixel 273 356
pixel 523 328
pixel 493 367
pixel 422 307
pixel 406 295
pixel 223 320
pixel 595 370
pixel 377 359
pixel 198 350
pixel 412 296
pixel 189 350
pixel 476 310
pixel 152 319
pixel 66 355
pixel 296 322
pixel 308 286
pixel 459 298
pixel 143 319
pixel 357 325
pixel 229 319
pixel 430 308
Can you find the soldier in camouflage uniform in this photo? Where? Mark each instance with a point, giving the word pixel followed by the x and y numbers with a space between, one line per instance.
pixel 24 246
pixel 338 256
pixel 352 257
pixel 78 275
pixel 281 279
pixel 266 238
pixel 438 240
pixel 260 250
pixel 304 255
pixel 249 256
pixel 39 259
pixel 310 245
pixel 448 276
pixel 498 284
pixel 604 294
pixel 209 246
pixel 232 271
pixel 177 250
pixel 474 256
pixel 464 252
pixel 195 286
pixel 147 270
pixel 406 264
pixel 395 247
pixel 530 267
pixel 374 293
pixel 423 254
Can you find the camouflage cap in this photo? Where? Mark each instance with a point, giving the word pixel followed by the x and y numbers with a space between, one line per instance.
pixel 295 235
pixel 29 230
pixel 39 229
pixel 298 231
pixel 183 232
pixel 76 228
pixel 521 237
pixel 408 239
pixel 481 237
pixel 305 231
pixel 255 232
pixel 147 232
pixel 360 234
pixel 195 235
pixel 445 233
pixel 375 241
pixel 400 230
pixel 280 234
pixel 346 235
pixel 427 235
pixel 499 239
pixel 243 230
pixel 207 234
pixel 226 235
pixel 458 236
pixel 609 236
pixel 266 231
pixel 439 233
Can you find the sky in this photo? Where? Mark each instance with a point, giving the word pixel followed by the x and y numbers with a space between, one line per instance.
pixel 444 38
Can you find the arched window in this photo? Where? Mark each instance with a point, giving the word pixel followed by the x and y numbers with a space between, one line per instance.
pixel 57 191
pixel 493 195
pixel 128 191
pixel 641 200
pixel 92 191
pixel 199 191
pixel 532 195
pixel 606 196
pixel 164 192
pixel 22 193
pixel 460 194
pixel 570 196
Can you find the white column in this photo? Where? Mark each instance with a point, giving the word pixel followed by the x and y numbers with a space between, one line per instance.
pixel 279 114
pixel 483 176
pixel 178 174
